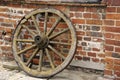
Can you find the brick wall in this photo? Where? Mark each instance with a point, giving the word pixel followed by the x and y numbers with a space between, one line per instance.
pixel 112 31
pixel 97 28
pixel 9 17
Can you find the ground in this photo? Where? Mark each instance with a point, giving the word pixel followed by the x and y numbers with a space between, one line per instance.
pixel 67 74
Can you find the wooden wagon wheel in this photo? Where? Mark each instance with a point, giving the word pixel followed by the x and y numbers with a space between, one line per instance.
pixel 47 40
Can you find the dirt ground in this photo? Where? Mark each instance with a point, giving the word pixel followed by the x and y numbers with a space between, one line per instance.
pixel 67 74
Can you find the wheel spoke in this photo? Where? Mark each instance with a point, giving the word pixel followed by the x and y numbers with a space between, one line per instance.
pixel 49 57
pixel 32 56
pixel 45 22
pixel 25 40
pixel 23 21
pixel 36 24
pixel 55 42
pixel 24 50
pixel 40 60
pixel 54 26
pixel 57 34
pixel 56 52
pixel 33 34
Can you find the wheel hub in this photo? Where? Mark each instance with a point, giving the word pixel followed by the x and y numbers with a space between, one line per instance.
pixel 41 41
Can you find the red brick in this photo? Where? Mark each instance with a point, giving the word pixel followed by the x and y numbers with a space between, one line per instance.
pixel 7 55
pixel 61 8
pixel 2 28
pixel 8 30
pixel 25 6
pixel 115 3
pixel 113 36
pixel 4 15
pixel 112 29
pixel 9 39
pixel 117 68
pixel 72 15
pixel 109 48
pixel 11 57
pixel 111 9
pixel 91 9
pixel 9 21
pixel 117 61
pixel 117 73
pixel 79 48
pixel 62 25
pixel 1 55
pixel 95 60
pixel 94 22
pixel 117 49
pixel 80 33
pixel 1 42
pixel 87 15
pixel 95 49
pixel 78 15
pixel 96 16
pixel 77 9
pixel 50 23
pixel 78 21
pixel 109 22
pixel 108 54
pixel 57 62
pixel 117 23
pixel 111 42
pixel 1 19
pixel 118 9
pixel 108 72
pixel 109 60
pixel 4 10
pixel 109 66
pixel 16 16
pixel 117 43
pixel 113 16
pixel 6 48
pixel 109 2
pixel 91 54
pixel 79 38
pixel 82 53
pixel 101 55
pixel 6 24
pixel 78 57
pixel 109 35
pixel 97 39
pixel 117 78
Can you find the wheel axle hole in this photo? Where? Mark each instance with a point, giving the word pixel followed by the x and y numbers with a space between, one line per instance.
pixel 37 39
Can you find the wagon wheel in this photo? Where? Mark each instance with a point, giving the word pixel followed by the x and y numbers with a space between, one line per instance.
pixel 47 40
